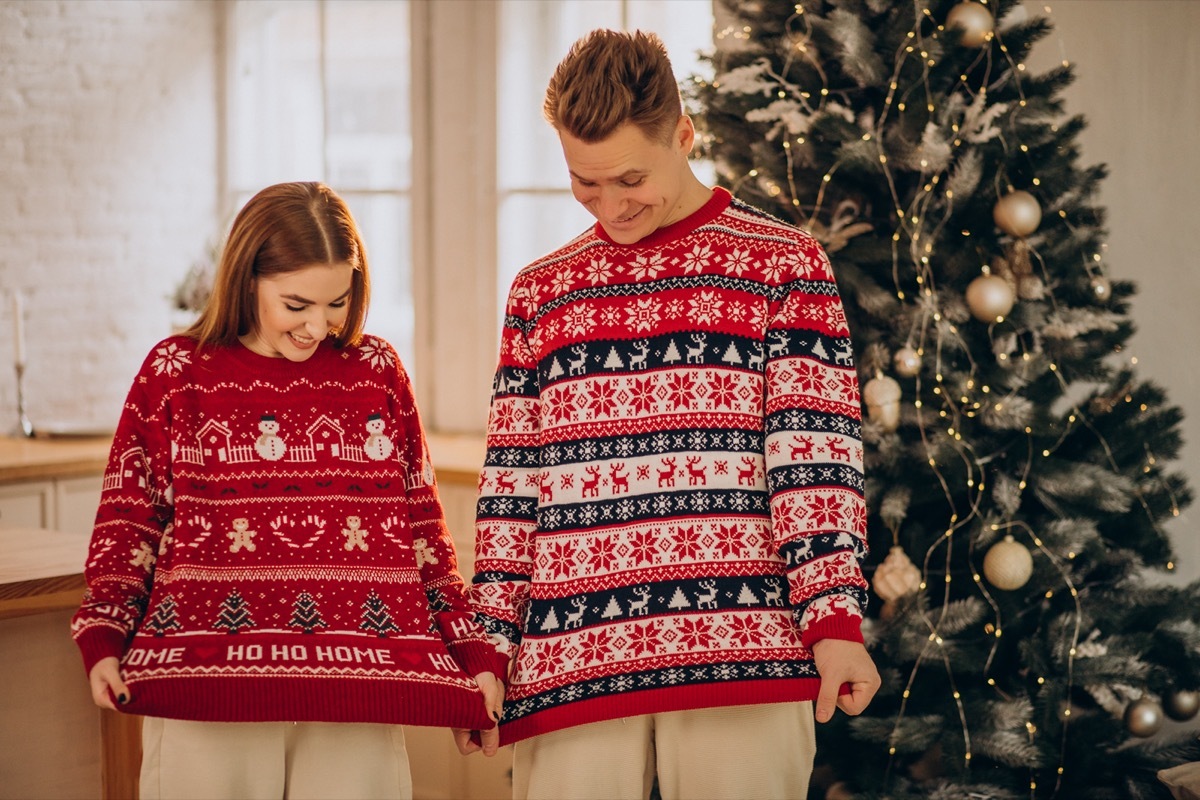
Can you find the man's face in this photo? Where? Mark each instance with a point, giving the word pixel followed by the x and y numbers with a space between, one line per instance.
pixel 631 184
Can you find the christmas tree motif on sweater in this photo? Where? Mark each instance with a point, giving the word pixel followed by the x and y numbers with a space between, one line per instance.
pixel 305 614
pixel 672 353
pixel 550 623
pixel 376 617
pixel 234 614
pixel 164 617
pixel 612 610
pixel 378 446
pixel 269 445
pixel 679 600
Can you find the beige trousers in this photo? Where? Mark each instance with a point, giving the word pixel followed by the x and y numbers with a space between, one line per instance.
pixel 757 752
pixel 184 760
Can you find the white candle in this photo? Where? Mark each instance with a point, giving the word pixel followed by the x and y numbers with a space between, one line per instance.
pixel 19 327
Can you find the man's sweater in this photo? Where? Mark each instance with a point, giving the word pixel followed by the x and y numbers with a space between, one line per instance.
pixel 671 509
pixel 270 546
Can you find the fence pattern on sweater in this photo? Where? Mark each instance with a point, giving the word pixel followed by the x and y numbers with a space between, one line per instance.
pixel 270 545
pixel 671 511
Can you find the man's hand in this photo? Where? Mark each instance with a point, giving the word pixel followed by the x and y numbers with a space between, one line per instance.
pixel 106 683
pixel 493 699
pixel 842 662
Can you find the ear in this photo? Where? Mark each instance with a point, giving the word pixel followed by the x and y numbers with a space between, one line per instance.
pixel 685 135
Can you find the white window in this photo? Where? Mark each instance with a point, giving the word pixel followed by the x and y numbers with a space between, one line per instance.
pixel 426 116
pixel 321 90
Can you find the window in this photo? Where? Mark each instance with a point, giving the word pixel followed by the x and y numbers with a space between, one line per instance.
pixel 321 90
pixel 426 116
pixel 535 207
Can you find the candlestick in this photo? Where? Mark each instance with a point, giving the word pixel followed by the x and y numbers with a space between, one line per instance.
pixel 18 301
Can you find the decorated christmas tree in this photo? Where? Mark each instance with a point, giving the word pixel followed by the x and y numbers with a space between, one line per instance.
pixel 1017 467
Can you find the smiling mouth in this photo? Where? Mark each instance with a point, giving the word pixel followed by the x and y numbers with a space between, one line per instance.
pixel 302 341
pixel 631 217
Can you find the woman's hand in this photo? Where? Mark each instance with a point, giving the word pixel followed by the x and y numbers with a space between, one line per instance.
pixel 106 683
pixel 493 700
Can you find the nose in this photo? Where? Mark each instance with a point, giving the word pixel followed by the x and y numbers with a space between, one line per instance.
pixel 612 202
pixel 318 323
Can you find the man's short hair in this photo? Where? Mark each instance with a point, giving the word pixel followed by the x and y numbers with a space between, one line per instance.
pixel 609 78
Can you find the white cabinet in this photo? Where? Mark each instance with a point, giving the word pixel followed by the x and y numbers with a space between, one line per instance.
pixel 64 504
pixel 27 504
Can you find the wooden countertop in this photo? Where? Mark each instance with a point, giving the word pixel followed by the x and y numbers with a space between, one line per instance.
pixel 41 459
pixel 457 458
pixel 42 570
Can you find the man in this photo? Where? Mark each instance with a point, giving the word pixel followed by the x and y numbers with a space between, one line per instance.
pixel 671 522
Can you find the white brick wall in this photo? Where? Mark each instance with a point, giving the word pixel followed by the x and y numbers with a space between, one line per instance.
pixel 108 190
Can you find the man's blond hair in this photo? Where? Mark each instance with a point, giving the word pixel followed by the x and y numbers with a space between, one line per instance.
pixel 609 78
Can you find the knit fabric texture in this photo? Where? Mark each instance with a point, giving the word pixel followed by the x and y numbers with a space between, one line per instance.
pixel 270 546
pixel 671 510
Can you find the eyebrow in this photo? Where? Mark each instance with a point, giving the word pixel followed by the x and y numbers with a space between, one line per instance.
pixel 629 173
pixel 306 302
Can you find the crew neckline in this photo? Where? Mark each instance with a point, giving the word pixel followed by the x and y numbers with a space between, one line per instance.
pixel 712 208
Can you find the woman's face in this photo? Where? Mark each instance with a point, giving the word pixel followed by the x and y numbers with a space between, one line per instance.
pixel 296 310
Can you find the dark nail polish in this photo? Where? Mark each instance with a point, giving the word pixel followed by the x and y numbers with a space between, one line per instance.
pixel 122 699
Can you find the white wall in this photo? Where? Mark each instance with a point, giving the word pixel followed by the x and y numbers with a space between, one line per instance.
pixel 1138 86
pixel 108 164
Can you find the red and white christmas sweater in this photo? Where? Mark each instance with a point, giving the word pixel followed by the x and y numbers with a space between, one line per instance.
pixel 671 510
pixel 270 545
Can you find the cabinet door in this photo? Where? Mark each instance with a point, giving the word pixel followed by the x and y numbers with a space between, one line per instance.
pixel 28 504
pixel 76 500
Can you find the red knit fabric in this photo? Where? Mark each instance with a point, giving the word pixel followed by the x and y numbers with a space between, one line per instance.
pixel 270 546
pixel 671 511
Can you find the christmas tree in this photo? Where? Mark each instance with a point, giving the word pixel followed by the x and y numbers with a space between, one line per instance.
pixel 1017 467
pixel 234 614
pixel 376 617
pixel 305 614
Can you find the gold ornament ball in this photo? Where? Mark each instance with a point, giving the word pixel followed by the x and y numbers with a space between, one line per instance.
pixel 1143 717
pixel 1017 213
pixel 990 297
pixel 882 396
pixel 974 21
pixel 1101 288
pixel 1008 564
pixel 907 362
pixel 1181 704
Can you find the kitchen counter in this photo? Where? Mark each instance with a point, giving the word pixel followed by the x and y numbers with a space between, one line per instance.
pixel 43 458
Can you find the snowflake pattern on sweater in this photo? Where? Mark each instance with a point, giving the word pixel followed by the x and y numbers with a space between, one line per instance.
pixel 270 546
pixel 671 509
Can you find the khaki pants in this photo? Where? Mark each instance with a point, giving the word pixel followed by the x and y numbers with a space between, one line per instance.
pixel 757 752
pixel 184 760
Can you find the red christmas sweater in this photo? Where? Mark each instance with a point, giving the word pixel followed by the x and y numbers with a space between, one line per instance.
pixel 270 546
pixel 671 510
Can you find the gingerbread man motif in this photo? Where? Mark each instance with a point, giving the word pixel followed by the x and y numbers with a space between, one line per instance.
pixel 424 552
pixel 355 536
pixel 242 535
pixel 143 556
pixel 167 539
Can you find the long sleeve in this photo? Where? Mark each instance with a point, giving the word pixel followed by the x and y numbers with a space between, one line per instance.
pixel 814 452
pixel 510 485
pixel 134 517
pixel 437 559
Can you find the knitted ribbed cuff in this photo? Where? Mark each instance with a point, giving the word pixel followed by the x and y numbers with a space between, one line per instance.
pixel 99 642
pixel 835 626
pixel 475 657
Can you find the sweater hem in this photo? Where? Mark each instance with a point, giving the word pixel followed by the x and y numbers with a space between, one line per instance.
pixel 308 700
pixel 658 701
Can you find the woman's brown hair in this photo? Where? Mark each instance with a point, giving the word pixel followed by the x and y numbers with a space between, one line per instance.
pixel 609 78
pixel 284 228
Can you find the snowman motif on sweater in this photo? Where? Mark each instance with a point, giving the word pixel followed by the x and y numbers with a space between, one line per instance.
pixel 270 445
pixel 378 446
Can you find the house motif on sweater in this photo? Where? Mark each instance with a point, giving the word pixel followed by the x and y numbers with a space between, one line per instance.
pixel 269 545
